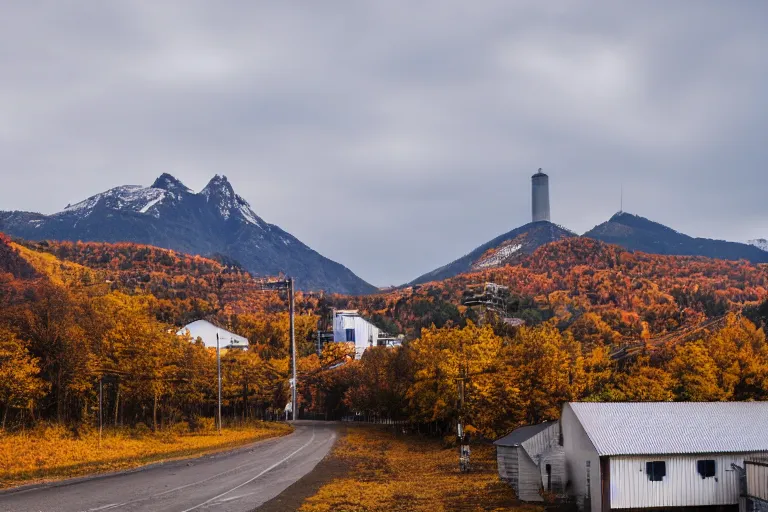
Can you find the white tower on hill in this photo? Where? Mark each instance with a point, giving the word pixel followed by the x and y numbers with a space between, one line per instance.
pixel 540 197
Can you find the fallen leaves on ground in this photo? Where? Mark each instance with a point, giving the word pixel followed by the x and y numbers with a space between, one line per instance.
pixel 389 472
pixel 54 452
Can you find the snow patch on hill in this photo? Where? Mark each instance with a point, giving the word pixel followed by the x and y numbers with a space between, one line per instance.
pixel 499 256
pixel 760 243
pixel 125 198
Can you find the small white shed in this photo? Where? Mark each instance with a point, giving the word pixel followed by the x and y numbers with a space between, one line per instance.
pixel 209 332
pixel 530 459
pixel 660 454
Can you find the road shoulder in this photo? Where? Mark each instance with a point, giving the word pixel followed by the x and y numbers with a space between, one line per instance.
pixel 209 453
pixel 328 469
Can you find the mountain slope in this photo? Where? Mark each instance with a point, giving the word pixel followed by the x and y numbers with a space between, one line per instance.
pixel 502 250
pixel 170 215
pixel 640 234
pixel 760 243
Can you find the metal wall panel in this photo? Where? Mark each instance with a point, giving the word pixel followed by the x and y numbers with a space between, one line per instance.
pixel 582 464
pixel 555 457
pixel 757 480
pixel 529 483
pixel 506 461
pixel 681 487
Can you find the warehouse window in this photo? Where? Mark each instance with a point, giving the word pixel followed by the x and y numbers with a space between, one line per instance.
pixel 706 468
pixel 656 470
pixel 350 335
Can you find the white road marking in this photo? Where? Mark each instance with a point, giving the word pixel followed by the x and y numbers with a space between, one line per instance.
pixel 270 468
pixel 330 439
pixel 111 505
pixel 153 496
pixel 233 498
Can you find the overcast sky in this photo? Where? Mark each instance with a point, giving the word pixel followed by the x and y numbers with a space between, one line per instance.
pixel 396 136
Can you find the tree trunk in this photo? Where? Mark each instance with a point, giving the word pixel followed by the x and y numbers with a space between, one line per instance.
pixel 154 415
pixel 245 399
pixel 5 416
pixel 59 398
pixel 117 401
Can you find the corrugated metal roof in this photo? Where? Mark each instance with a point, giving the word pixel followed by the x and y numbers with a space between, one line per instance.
pixel 521 434
pixel 675 427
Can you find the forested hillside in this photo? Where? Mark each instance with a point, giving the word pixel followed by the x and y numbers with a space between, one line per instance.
pixel 72 312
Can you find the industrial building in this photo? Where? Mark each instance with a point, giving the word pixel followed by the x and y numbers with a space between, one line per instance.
pixel 209 333
pixel 350 327
pixel 663 454
pixel 540 199
pixel 531 459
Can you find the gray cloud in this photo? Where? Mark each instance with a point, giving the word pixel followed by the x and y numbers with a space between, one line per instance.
pixel 395 136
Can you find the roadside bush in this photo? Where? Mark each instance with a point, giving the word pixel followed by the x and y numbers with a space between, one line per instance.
pixel 180 428
pixel 140 431
pixel 203 425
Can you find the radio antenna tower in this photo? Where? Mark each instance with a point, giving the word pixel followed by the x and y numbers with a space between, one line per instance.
pixel 621 208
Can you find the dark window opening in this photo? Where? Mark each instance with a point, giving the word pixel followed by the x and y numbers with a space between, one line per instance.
pixel 706 468
pixel 350 335
pixel 548 468
pixel 656 470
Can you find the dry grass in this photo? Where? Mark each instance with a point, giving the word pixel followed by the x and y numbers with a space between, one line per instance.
pixel 389 472
pixel 51 453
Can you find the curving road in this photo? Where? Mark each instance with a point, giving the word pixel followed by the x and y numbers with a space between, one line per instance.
pixel 237 481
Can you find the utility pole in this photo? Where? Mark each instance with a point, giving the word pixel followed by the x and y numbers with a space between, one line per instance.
pixel 291 310
pixel 218 371
pixel 101 402
pixel 461 434
pixel 288 284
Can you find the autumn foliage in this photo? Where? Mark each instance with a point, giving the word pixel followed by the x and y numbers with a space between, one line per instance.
pixel 74 312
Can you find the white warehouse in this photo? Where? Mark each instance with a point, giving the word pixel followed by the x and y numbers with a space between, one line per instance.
pixel 209 333
pixel 661 454
pixel 350 327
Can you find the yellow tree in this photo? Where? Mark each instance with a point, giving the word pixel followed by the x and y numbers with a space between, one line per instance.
pixel 740 354
pixel 551 370
pixel 641 382
pixel 693 372
pixel 440 358
pixel 20 383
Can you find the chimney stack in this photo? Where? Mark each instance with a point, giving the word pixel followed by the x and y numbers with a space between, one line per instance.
pixel 540 201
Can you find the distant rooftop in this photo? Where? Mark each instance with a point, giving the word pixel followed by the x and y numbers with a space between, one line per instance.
pixel 518 436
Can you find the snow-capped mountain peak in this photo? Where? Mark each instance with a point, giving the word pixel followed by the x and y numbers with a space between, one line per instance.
pixel 760 243
pixel 219 192
pixel 167 190
pixel 169 183
pixel 126 198
pixel 168 214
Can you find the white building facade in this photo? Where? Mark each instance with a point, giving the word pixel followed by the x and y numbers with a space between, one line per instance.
pixel 350 327
pixel 662 454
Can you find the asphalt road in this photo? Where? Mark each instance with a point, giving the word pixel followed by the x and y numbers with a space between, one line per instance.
pixel 233 482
